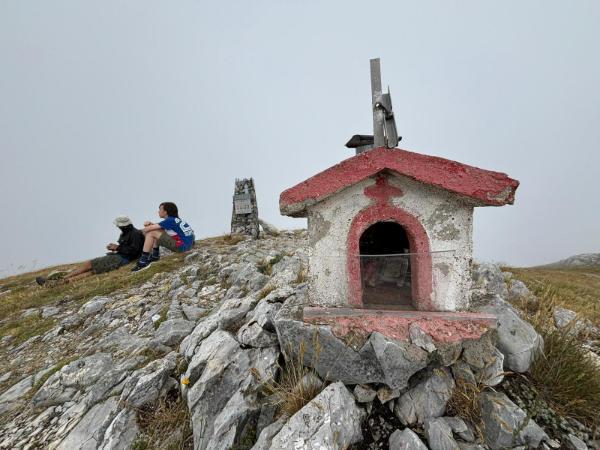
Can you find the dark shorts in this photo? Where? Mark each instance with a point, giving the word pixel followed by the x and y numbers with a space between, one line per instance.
pixel 169 243
pixel 108 263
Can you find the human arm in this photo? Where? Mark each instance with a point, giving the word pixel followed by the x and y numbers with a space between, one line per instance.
pixel 151 227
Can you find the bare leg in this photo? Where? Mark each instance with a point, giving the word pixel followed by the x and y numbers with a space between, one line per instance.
pixel 79 277
pixel 151 240
pixel 86 267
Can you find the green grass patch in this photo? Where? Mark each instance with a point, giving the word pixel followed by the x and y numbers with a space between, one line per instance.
pixel 27 294
pixel 24 328
pixel 163 317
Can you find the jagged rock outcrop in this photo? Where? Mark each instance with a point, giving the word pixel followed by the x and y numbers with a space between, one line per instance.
pixel 582 260
pixel 330 420
pixel 217 330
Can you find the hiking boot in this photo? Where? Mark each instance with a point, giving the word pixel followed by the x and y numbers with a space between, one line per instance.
pixel 40 280
pixel 141 265
pixel 154 258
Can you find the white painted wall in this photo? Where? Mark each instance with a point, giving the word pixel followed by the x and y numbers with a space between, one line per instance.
pixel 447 219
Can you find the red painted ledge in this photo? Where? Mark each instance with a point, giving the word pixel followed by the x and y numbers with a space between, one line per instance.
pixel 484 187
pixel 443 327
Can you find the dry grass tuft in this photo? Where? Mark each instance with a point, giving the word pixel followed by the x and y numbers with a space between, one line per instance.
pixel 566 377
pixel 265 266
pixel 465 403
pixel 295 387
pixel 225 239
pixel 165 425
pixel 266 291
pixel 302 275
pixel 564 374
pixel 577 289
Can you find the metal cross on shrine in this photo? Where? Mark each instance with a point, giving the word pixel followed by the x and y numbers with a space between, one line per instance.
pixel 384 124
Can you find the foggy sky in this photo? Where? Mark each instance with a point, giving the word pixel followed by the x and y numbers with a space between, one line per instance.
pixel 111 107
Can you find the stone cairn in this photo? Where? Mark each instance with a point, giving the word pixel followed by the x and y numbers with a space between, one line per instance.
pixel 244 219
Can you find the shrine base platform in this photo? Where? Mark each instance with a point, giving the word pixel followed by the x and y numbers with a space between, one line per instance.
pixel 443 327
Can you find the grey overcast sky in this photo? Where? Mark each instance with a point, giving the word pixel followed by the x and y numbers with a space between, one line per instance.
pixel 111 107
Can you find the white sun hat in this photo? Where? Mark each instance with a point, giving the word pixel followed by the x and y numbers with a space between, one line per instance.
pixel 122 221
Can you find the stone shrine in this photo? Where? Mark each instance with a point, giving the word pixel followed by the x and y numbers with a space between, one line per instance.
pixel 244 218
pixel 390 232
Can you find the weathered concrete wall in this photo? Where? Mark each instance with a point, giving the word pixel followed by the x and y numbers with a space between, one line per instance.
pixel 446 218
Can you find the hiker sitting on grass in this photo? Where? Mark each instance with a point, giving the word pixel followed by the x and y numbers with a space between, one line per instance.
pixel 171 233
pixel 129 247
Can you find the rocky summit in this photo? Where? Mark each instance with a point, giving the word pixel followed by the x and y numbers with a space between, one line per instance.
pixel 215 354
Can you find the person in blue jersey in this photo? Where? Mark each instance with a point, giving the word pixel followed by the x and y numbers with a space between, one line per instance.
pixel 171 232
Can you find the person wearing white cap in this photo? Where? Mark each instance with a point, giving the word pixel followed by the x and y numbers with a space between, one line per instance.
pixel 128 248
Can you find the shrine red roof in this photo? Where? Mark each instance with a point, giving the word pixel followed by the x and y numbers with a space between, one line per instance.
pixel 484 187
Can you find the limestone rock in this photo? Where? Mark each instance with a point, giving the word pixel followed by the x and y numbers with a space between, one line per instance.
pixel 470 446
pixel 9 399
pixel 235 421
pixel 493 373
pixel 364 393
pixel 286 271
pixel 460 428
pixel 439 435
pixel 70 322
pixel 193 313
pixel 333 359
pixel 219 342
pixel 63 385
pixel 517 340
pixel 462 372
pixel 266 310
pixel 50 311
pixel 478 353
pixel 204 328
pixel 406 440
pixel 518 290
pixel 267 434
pixel 223 370
pixel 268 228
pixel 246 280
pixel 487 281
pixel 31 312
pixel 94 306
pixel 232 312
pixel 507 425
pixel 574 443
pixel 377 359
pixel 398 360
pixel 171 332
pixel 144 385
pixel 330 420
pixel 253 335
pixel 427 399
pixel 447 353
pixel 421 339
pixel 89 431
pixel 122 431
pixel 563 317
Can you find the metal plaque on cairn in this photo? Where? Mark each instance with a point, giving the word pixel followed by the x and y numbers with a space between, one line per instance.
pixel 244 219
